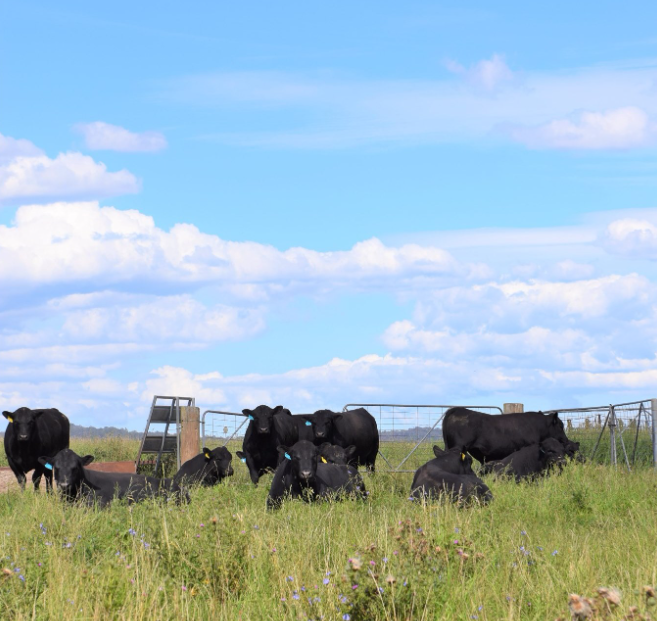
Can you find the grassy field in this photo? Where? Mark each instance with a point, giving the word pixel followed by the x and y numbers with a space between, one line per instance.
pixel 225 557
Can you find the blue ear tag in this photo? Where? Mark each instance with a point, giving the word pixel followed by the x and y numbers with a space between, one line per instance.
pixel 243 460
pixel 287 457
pixel 251 417
pixel 47 466
pixel 308 424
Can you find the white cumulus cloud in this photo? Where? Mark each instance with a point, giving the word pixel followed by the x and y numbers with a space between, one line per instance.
pixel 69 243
pixel 105 136
pixel 27 175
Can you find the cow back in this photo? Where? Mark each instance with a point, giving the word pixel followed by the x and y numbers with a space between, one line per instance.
pixel 357 428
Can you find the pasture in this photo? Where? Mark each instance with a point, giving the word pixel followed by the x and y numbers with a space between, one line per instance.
pixel 225 557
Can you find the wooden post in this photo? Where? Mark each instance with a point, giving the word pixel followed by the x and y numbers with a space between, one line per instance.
pixel 189 433
pixel 514 408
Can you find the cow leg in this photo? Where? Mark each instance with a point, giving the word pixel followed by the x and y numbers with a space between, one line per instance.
pixel 253 471
pixel 36 478
pixel 18 472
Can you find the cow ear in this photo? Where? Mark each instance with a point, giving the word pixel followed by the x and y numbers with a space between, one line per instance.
pixel 437 451
pixel 241 455
pixel 207 453
pixel 87 459
pixel 336 416
pixel 349 451
pixel 279 409
pixel 9 416
pixel 308 420
pixel 284 451
pixel 45 462
pixel 555 418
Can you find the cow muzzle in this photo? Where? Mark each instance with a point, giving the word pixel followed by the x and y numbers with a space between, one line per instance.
pixel 23 437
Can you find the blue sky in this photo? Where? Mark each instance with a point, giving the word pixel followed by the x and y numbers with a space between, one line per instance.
pixel 320 205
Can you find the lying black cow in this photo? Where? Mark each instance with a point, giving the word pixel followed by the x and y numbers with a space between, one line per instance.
pixel 354 427
pixel 31 434
pixel 334 454
pixel 208 468
pixel 302 474
pixel 75 482
pixel 529 462
pixel 449 474
pixel 268 428
pixel 489 437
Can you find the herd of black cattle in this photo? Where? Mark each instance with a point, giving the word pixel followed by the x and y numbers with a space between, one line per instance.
pixel 312 456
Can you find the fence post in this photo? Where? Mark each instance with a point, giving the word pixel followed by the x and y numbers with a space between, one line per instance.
pixel 514 408
pixel 189 433
pixel 653 411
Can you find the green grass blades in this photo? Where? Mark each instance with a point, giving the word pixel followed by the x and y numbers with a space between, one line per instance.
pixel 225 556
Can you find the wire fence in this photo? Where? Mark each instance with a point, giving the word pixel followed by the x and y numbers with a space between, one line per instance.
pixel 407 433
pixel 614 434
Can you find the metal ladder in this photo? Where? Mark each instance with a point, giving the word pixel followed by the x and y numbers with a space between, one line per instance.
pixel 161 441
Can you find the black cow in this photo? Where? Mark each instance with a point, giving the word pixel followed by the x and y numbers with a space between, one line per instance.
pixel 301 473
pixel 449 474
pixel 489 437
pixel 354 427
pixel 207 468
pixel 334 454
pixel 268 427
pixel 573 452
pixel 31 434
pixel 75 482
pixel 529 462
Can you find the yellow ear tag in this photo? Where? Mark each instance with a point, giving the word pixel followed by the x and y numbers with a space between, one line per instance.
pixel 324 461
pixel 462 456
pixel 10 419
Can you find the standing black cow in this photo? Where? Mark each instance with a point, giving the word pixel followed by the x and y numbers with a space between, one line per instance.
pixel 451 474
pixel 31 434
pixel 354 427
pixel 488 437
pixel 75 482
pixel 268 427
pixel 207 468
pixel 530 461
pixel 301 473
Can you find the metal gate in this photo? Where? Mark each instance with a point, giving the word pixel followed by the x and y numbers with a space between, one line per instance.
pixel 609 433
pixel 407 433
pixel 220 428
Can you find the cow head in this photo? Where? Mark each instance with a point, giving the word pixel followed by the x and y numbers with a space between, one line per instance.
pixel 334 454
pixel 555 428
pixel 572 450
pixel 455 460
pixel 303 456
pixel 67 468
pixel 322 421
pixel 552 452
pixel 262 417
pixel 24 421
pixel 217 465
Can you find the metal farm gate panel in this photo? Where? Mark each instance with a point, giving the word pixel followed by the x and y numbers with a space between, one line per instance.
pixel 220 428
pixel 610 434
pixel 407 433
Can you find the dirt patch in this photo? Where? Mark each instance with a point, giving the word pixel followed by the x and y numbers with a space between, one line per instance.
pixel 8 481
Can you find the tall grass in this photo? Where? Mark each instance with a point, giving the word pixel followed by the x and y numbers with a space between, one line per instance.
pixel 224 556
pixel 110 448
